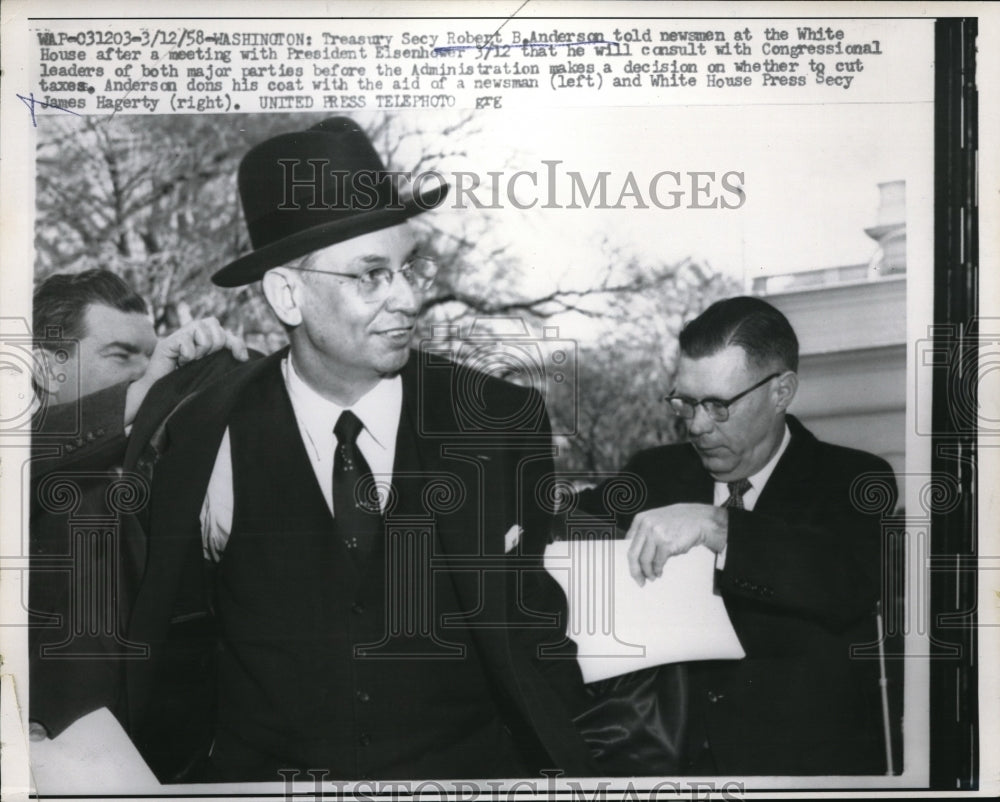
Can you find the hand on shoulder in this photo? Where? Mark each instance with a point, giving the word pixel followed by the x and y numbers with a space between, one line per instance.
pixel 190 342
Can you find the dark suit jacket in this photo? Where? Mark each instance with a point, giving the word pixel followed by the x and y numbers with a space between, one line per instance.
pixel 75 450
pixel 80 450
pixel 173 610
pixel 801 578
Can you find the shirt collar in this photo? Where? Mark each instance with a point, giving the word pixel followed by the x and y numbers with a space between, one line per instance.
pixel 379 409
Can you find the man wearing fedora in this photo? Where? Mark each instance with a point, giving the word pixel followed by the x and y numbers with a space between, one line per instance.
pixel 344 570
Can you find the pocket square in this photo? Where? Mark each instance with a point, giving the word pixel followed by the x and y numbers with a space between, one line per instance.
pixel 512 538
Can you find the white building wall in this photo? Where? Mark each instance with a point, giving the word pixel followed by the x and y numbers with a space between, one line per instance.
pixel 852 363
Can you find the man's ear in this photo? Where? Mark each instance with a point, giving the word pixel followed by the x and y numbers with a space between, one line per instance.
pixel 283 291
pixel 785 387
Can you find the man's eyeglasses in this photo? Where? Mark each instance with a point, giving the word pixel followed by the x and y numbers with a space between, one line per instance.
pixel 373 284
pixel 716 408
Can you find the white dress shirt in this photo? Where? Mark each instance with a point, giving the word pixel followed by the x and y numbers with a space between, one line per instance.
pixel 757 482
pixel 379 410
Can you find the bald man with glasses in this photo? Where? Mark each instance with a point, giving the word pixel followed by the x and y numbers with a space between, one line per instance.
pixel 798 563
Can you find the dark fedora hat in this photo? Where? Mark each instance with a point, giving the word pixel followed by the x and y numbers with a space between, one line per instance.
pixel 310 189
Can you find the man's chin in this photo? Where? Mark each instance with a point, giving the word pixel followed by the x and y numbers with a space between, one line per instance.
pixel 392 367
pixel 717 464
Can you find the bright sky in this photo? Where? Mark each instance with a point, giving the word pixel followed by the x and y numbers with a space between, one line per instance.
pixel 811 176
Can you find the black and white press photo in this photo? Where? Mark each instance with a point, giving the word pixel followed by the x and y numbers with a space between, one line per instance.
pixel 473 401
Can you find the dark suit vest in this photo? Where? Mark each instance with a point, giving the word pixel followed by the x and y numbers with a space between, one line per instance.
pixel 316 669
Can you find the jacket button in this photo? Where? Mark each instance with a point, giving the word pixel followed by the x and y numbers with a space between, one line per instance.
pixel 362 696
pixel 365 739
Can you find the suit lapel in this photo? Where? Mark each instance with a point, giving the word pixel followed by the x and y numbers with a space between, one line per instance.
pixel 436 450
pixel 793 472
pixel 166 396
pixel 441 453
pixel 190 444
pixel 418 457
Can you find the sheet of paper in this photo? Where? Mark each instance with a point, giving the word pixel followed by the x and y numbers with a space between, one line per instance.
pixel 620 627
pixel 94 754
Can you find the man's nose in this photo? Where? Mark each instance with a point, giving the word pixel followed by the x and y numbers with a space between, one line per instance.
pixel 403 296
pixel 138 366
pixel 701 423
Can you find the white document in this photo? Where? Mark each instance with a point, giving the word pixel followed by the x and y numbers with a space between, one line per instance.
pixel 93 754
pixel 620 627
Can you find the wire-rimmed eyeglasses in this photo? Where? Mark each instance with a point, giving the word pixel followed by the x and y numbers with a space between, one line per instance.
pixel 716 408
pixel 373 284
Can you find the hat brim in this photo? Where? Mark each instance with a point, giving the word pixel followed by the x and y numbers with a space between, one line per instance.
pixel 254 265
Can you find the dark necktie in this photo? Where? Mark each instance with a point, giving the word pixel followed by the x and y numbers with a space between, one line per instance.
pixel 736 491
pixel 356 511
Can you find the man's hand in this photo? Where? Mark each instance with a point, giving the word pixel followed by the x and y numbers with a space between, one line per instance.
pixel 197 339
pixel 662 533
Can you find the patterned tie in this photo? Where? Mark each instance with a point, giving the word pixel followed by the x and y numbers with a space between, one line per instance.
pixel 736 491
pixel 355 501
